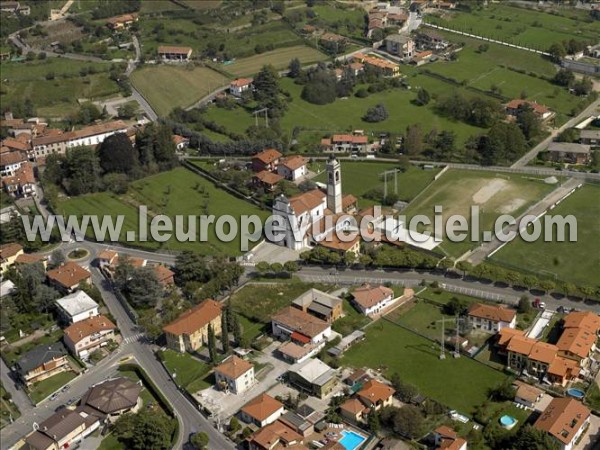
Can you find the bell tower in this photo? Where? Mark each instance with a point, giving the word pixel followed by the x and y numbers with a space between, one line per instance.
pixel 334 185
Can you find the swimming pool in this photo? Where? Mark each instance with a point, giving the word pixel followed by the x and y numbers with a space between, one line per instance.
pixel 576 393
pixel 508 422
pixel 352 440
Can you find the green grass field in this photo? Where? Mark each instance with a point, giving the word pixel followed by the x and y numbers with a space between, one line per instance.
pixel 178 191
pixel 359 177
pixel 495 194
pixel 191 373
pixel 186 85
pixel 154 6
pixel 520 26
pixel 459 383
pixel 39 391
pixel 575 262
pixel 57 97
pixel 279 58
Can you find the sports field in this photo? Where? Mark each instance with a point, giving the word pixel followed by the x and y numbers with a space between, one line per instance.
pixel 495 194
pixel 186 85
pixel 521 26
pixel 575 262
pixel 178 191
pixel 359 177
pixel 461 383
pixel 279 58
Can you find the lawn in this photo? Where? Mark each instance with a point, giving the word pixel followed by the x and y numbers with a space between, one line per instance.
pixel 423 318
pixel 154 6
pixel 442 297
pixel 8 410
pixel 186 85
pixel 459 383
pixel 191 373
pixel 352 320
pixel 279 58
pixel 520 26
pixel 259 301
pixel 44 388
pixel 360 177
pixel 575 262
pixel 110 442
pixel 55 97
pixel 172 193
pixel 495 194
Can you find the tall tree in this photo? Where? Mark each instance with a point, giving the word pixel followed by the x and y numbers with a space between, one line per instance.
pixel 237 330
pixel 190 266
pixel 143 288
pixel 212 344
pixel 225 331
pixel 82 171
pixel 528 121
pixel 199 440
pixel 423 97
pixel 295 68
pixel 117 154
pixel 413 143
pixel 267 92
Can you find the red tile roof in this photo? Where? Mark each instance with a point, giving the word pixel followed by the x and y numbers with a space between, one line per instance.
pixel 492 312
pixel 563 418
pixel 68 274
pixel 269 178
pixel 84 328
pixel 194 319
pixel 172 49
pixel 240 82
pixel 516 103
pixel 267 156
pixel 307 201
pixel 234 367
pixel 9 250
pixel 375 391
pixel 367 296
pixel 294 162
pixel 262 407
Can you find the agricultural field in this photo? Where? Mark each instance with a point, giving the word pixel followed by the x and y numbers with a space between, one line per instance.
pixel 575 262
pixel 55 97
pixel 358 178
pixel 187 85
pixel 520 26
pixel 279 58
pixel 178 191
pixel 495 194
pixel 461 383
pixel 155 6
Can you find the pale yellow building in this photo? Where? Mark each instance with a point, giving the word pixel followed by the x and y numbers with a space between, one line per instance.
pixel 189 331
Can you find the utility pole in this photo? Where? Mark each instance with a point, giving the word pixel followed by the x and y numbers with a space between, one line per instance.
pixel 442 345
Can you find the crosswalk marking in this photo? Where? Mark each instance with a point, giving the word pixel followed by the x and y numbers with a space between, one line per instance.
pixel 134 338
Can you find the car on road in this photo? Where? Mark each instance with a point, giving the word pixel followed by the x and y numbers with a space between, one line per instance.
pixel 65 388
pixel 54 396
pixel 71 401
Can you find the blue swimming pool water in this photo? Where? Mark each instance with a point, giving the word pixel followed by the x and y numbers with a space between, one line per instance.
pixel 577 393
pixel 507 420
pixel 351 440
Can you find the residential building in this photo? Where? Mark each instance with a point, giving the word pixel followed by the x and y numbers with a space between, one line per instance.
pixel 91 135
pixel 69 276
pixel 164 275
pixel 21 183
pixel 514 107
pixel 445 438
pixel 180 142
pixel 8 254
pixel 354 410
pixel 565 419
pixel 356 68
pixel 313 376
pixel 111 398
pixel 62 430
pixel 349 245
pixel 76 307
pixel 293 167
pixel 121 22
pixel 431 40
pixel 400 45
pixel 234 375
pixel 274 436
pixel 590 137
pixel 42 362
pixel 491 318
pixel 189 331
pixel 376 395
pixel 357 378
pixel 266 180
pixel 266 160
pixel 299 424
pixel 526 394
pixel 372 300
pixel 107 258
pixel 299 326
pixel 10 161
pixel 171 53
pixel 86 336
pixel 579 336
pixel 7 288
pixel 345 143
pixel 26 259
pixel 262 410
pixel 569 152
pixel 385 67
pixel 320 304
pixel 296 353
pixel 240 85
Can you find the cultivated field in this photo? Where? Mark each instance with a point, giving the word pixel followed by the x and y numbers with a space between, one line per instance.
pixel 56 97
pixel 495 194
pixel 575 262
pixel 358 178
pixel 186 85
pixel 153 6
pixel 521 26
pixel 279 58
pixel 460 383
pixel 178 191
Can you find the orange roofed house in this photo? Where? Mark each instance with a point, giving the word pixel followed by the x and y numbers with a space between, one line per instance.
pixel 171 53
pixel 86 336
pixel 565 419
pixel 234 375
pixel 266 160
pixel 21 183
pixel 266 180
pixel 164 275
pixel 240 85
pixel 579 336
pixel 121 22
pixel 371 300
pixel 491 318
pixel 9 254
pixel 345 143
pixel 189 331
pixel 373 396
pixel 293 167
pixel 262 410
pixel 275 436
pixel 447 439
pixel 514 106
pixel 69 276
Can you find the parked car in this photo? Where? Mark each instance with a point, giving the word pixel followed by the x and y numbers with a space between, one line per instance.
pixel 54 396
pixel 65 388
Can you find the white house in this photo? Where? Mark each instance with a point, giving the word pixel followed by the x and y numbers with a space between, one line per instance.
pixel 292 168
pixel 262 410
pixel 10 162
pixel 565 419
pixel 234 375
pixel 86 336
pixel 240 85
pixel 491 318
pixel 372 300
pixel 76 307
pixel 345 143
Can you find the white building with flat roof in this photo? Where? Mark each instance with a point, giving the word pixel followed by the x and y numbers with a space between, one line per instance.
pixel 76 307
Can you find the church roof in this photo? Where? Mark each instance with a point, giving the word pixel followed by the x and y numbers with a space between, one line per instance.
pixel 307 201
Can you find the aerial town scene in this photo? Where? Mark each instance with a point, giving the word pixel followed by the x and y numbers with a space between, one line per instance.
pixel 300 224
